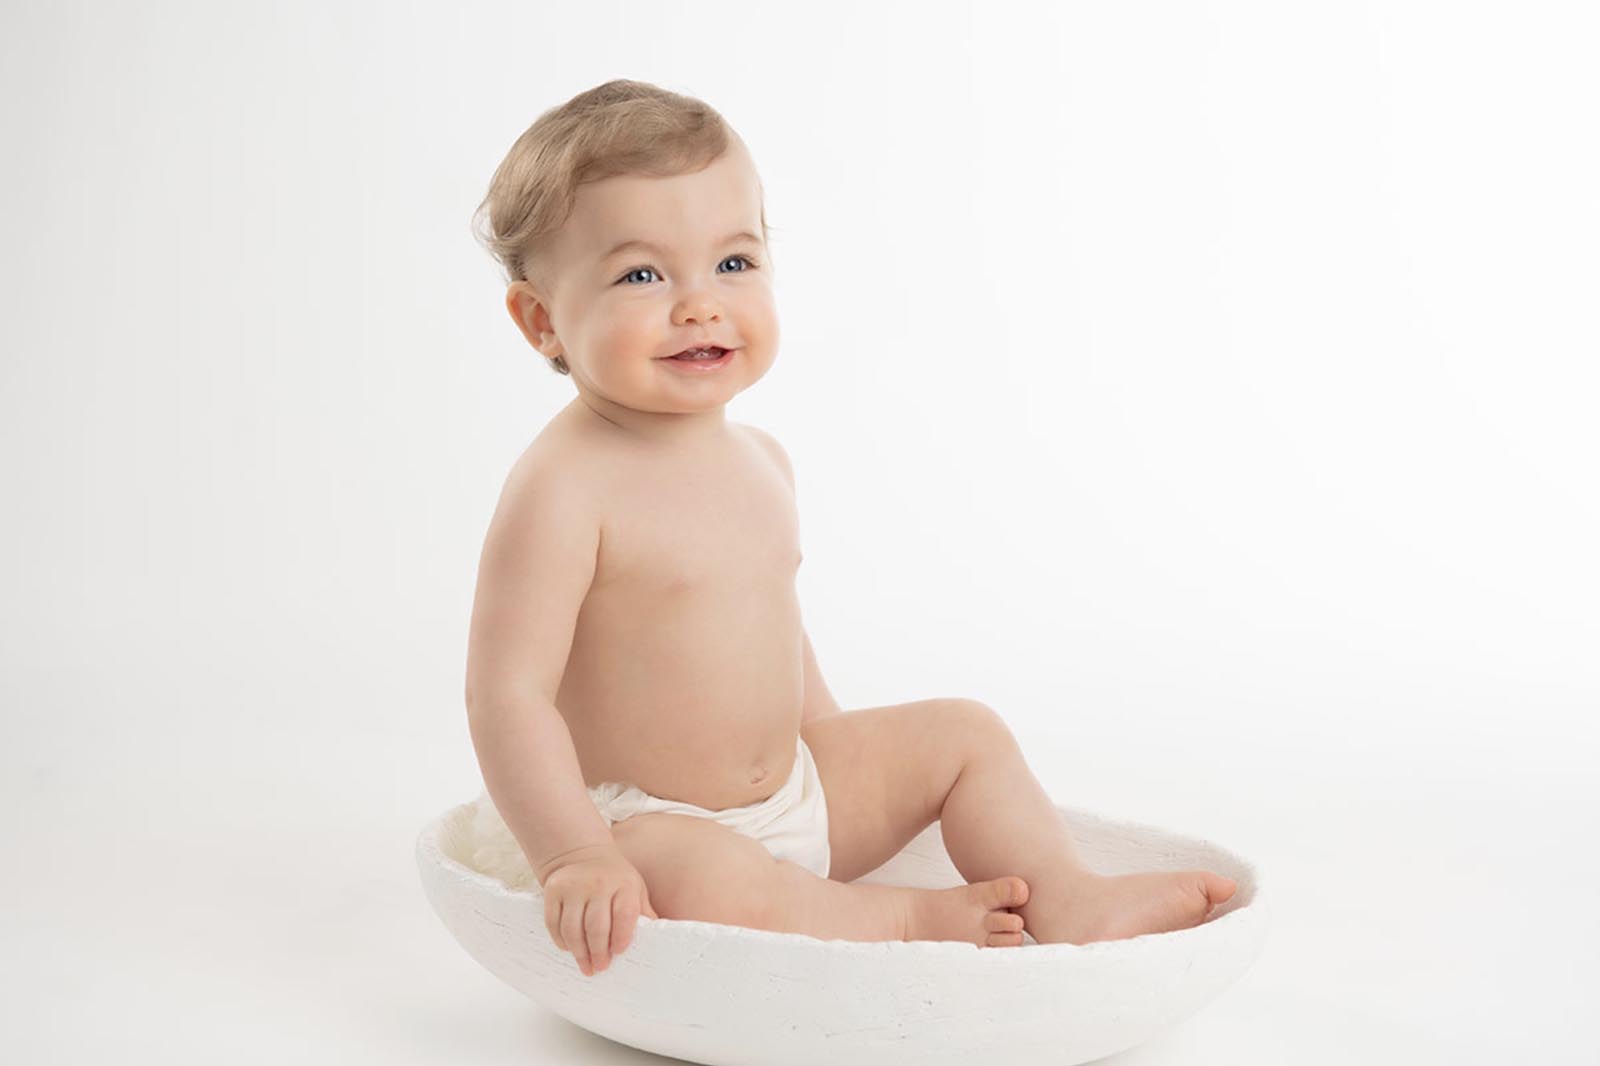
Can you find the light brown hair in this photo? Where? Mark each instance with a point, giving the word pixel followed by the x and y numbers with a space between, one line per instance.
pixel 620 127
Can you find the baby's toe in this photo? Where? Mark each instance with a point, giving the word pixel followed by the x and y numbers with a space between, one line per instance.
pixel 1005 892
pixel 1002 922
pixel 1003 940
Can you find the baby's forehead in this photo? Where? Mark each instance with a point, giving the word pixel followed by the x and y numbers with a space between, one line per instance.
pixel 715 201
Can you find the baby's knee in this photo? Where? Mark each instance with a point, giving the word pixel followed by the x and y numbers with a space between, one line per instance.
pixel 977 723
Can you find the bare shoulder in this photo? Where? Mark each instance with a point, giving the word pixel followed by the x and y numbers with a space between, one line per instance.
pixel 770 444
pixel 554 475
pixel 565 452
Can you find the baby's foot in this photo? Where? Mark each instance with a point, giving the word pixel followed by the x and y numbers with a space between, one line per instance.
pixel 1092 907
pixel 975 913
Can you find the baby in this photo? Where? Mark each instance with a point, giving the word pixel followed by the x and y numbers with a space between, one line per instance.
pixel 643 699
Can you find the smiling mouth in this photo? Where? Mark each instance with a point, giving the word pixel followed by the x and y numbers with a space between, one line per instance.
pixel 691 355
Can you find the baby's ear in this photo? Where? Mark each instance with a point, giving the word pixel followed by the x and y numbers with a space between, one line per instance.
pixel 528 311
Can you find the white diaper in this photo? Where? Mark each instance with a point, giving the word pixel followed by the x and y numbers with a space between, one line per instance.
pixel 792 822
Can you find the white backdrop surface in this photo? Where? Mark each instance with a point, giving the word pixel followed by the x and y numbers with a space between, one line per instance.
pixel 1209 388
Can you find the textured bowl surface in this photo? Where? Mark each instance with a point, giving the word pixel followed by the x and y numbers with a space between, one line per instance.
pixel 726 995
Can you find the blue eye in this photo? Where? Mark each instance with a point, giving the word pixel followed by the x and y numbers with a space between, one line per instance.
pixel 747 259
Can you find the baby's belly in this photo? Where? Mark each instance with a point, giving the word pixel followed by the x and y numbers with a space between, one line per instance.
pixel 690 701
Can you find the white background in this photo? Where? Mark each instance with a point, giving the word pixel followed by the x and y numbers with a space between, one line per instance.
pixel 1209 388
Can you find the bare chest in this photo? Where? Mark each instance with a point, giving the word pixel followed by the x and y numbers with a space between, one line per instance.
pixel 726 525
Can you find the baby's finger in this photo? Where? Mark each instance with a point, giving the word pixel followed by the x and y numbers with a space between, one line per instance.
pixel 552 920
pixel 572 933
pixel 597 923
pixel 624 914
pixel 644 895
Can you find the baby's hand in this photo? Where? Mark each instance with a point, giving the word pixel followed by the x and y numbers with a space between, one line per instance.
pixel 592 901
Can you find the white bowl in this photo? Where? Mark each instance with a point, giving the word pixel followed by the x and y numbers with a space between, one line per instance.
pixel 723 994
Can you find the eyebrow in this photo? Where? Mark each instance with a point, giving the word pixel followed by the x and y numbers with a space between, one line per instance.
pixel 743 235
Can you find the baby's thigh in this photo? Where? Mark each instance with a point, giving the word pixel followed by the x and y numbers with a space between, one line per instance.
pixel 697 869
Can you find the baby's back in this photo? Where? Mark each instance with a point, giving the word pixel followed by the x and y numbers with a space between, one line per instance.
pixel 685 673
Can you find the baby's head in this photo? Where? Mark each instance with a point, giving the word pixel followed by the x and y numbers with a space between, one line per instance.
pixel 629 162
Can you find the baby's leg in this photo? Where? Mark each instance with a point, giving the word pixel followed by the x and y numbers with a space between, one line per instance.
pixel 701 870
pixel 889 771
pixel 998 816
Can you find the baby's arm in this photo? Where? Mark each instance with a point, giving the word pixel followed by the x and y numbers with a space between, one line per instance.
pixel 538 561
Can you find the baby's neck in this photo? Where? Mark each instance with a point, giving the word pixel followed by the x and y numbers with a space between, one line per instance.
pixel 653 427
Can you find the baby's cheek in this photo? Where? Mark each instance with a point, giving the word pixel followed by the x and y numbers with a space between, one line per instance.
pixel 760 323
pixel 624 342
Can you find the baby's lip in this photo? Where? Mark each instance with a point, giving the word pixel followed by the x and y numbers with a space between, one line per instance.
pixel 696 347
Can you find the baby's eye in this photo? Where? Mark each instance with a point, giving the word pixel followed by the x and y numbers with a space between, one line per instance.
pixel 751 264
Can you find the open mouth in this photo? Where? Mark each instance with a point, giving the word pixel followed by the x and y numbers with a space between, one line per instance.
pixel 700 360
pixel 700 355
